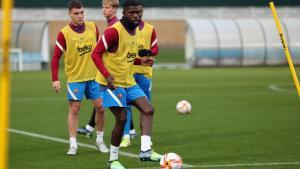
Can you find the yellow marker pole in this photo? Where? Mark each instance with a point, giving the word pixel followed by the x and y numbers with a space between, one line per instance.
pixel 5 82
pixel 285 48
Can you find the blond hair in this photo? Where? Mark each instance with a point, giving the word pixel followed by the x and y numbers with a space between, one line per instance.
pixel 113 3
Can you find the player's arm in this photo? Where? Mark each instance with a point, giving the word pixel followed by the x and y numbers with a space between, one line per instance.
pixel 107 42
pixel 60 46
pixel 151 53
pixel 154 46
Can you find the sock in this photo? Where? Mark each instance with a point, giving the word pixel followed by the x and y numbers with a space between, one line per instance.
pixel 89 128
pixel 73 142
pixel 145 143
pixel 99 136
pixel 132 131
pixel 114 153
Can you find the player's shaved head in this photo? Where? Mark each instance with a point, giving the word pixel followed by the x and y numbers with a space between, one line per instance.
pixel 74 4
pixel 129 3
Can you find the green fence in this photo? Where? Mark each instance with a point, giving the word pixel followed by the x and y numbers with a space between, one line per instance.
pixel 160 3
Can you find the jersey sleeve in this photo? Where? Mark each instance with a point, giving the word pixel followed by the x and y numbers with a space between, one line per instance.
pixel 107 42
pixel 154 46
pixel 60 46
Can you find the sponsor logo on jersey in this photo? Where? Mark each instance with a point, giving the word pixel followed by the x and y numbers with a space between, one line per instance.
pixel 131 57
pixel 85 49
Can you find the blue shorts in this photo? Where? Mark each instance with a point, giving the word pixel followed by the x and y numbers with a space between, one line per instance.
pixel 91 90
pixel 145 84
pixel 120 97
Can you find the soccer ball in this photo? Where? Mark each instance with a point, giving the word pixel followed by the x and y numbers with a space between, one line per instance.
pixel 184 107
pixel 171 161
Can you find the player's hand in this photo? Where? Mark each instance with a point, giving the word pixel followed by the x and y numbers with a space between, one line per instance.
pixel 145 52
pixel 110 79
pixel 149 61
pixel 56 86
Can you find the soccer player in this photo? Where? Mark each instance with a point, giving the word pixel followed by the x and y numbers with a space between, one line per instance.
pixel 109 10
pixel 114 56
pixel 142 73
pixel 77 40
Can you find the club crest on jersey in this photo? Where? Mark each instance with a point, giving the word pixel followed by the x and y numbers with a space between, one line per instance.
pixel 85 49
pixel 75 90
pixel 120 95
pixel 131 57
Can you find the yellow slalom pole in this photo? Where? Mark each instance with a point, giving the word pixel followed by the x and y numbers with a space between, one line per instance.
pixel 5 83
pixel 285 48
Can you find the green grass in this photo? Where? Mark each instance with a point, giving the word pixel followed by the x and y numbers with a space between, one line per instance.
pixel 235 119
pixel 174 55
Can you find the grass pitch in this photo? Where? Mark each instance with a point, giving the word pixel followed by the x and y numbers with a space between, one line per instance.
pixel 245 118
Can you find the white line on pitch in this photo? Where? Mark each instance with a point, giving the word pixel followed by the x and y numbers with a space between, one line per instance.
pixel 277 88
pixel 136 156
pixel 67 142
pixel 233 165
pixel 64 141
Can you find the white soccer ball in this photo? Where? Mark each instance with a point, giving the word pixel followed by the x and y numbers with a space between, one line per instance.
pixel 171 161
pixel 184 107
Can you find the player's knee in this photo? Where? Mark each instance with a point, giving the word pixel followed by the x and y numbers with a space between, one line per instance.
pixel 74 110
pixel 149 111
pixel 100 109
pixel 122 120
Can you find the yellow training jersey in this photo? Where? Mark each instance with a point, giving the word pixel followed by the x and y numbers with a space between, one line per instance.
pixel 119 64
pixel 144 43
pixel 78 62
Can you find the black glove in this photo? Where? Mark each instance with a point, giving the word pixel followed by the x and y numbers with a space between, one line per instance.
pixel 145 52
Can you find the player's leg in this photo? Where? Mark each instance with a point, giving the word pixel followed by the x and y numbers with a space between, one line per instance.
pixel 116 135
pixel 88 129
pixel 74 107
pixel 75 95
pixel 129 131
pixel 145 84
pixel 146 119
pixel 99 119
pixel 93 92
pixel 126 134
pixel 115 100
pixel 137 98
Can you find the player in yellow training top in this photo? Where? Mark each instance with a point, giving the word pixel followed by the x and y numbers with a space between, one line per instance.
pixel 109 9
pixel 77 41
pixel 114 56
pixel 142 73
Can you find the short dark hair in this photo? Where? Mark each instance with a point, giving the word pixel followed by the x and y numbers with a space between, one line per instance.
pixel 74 4
pixel 128 3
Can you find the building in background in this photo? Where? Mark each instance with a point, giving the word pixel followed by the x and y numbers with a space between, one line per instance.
pixel 222 24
